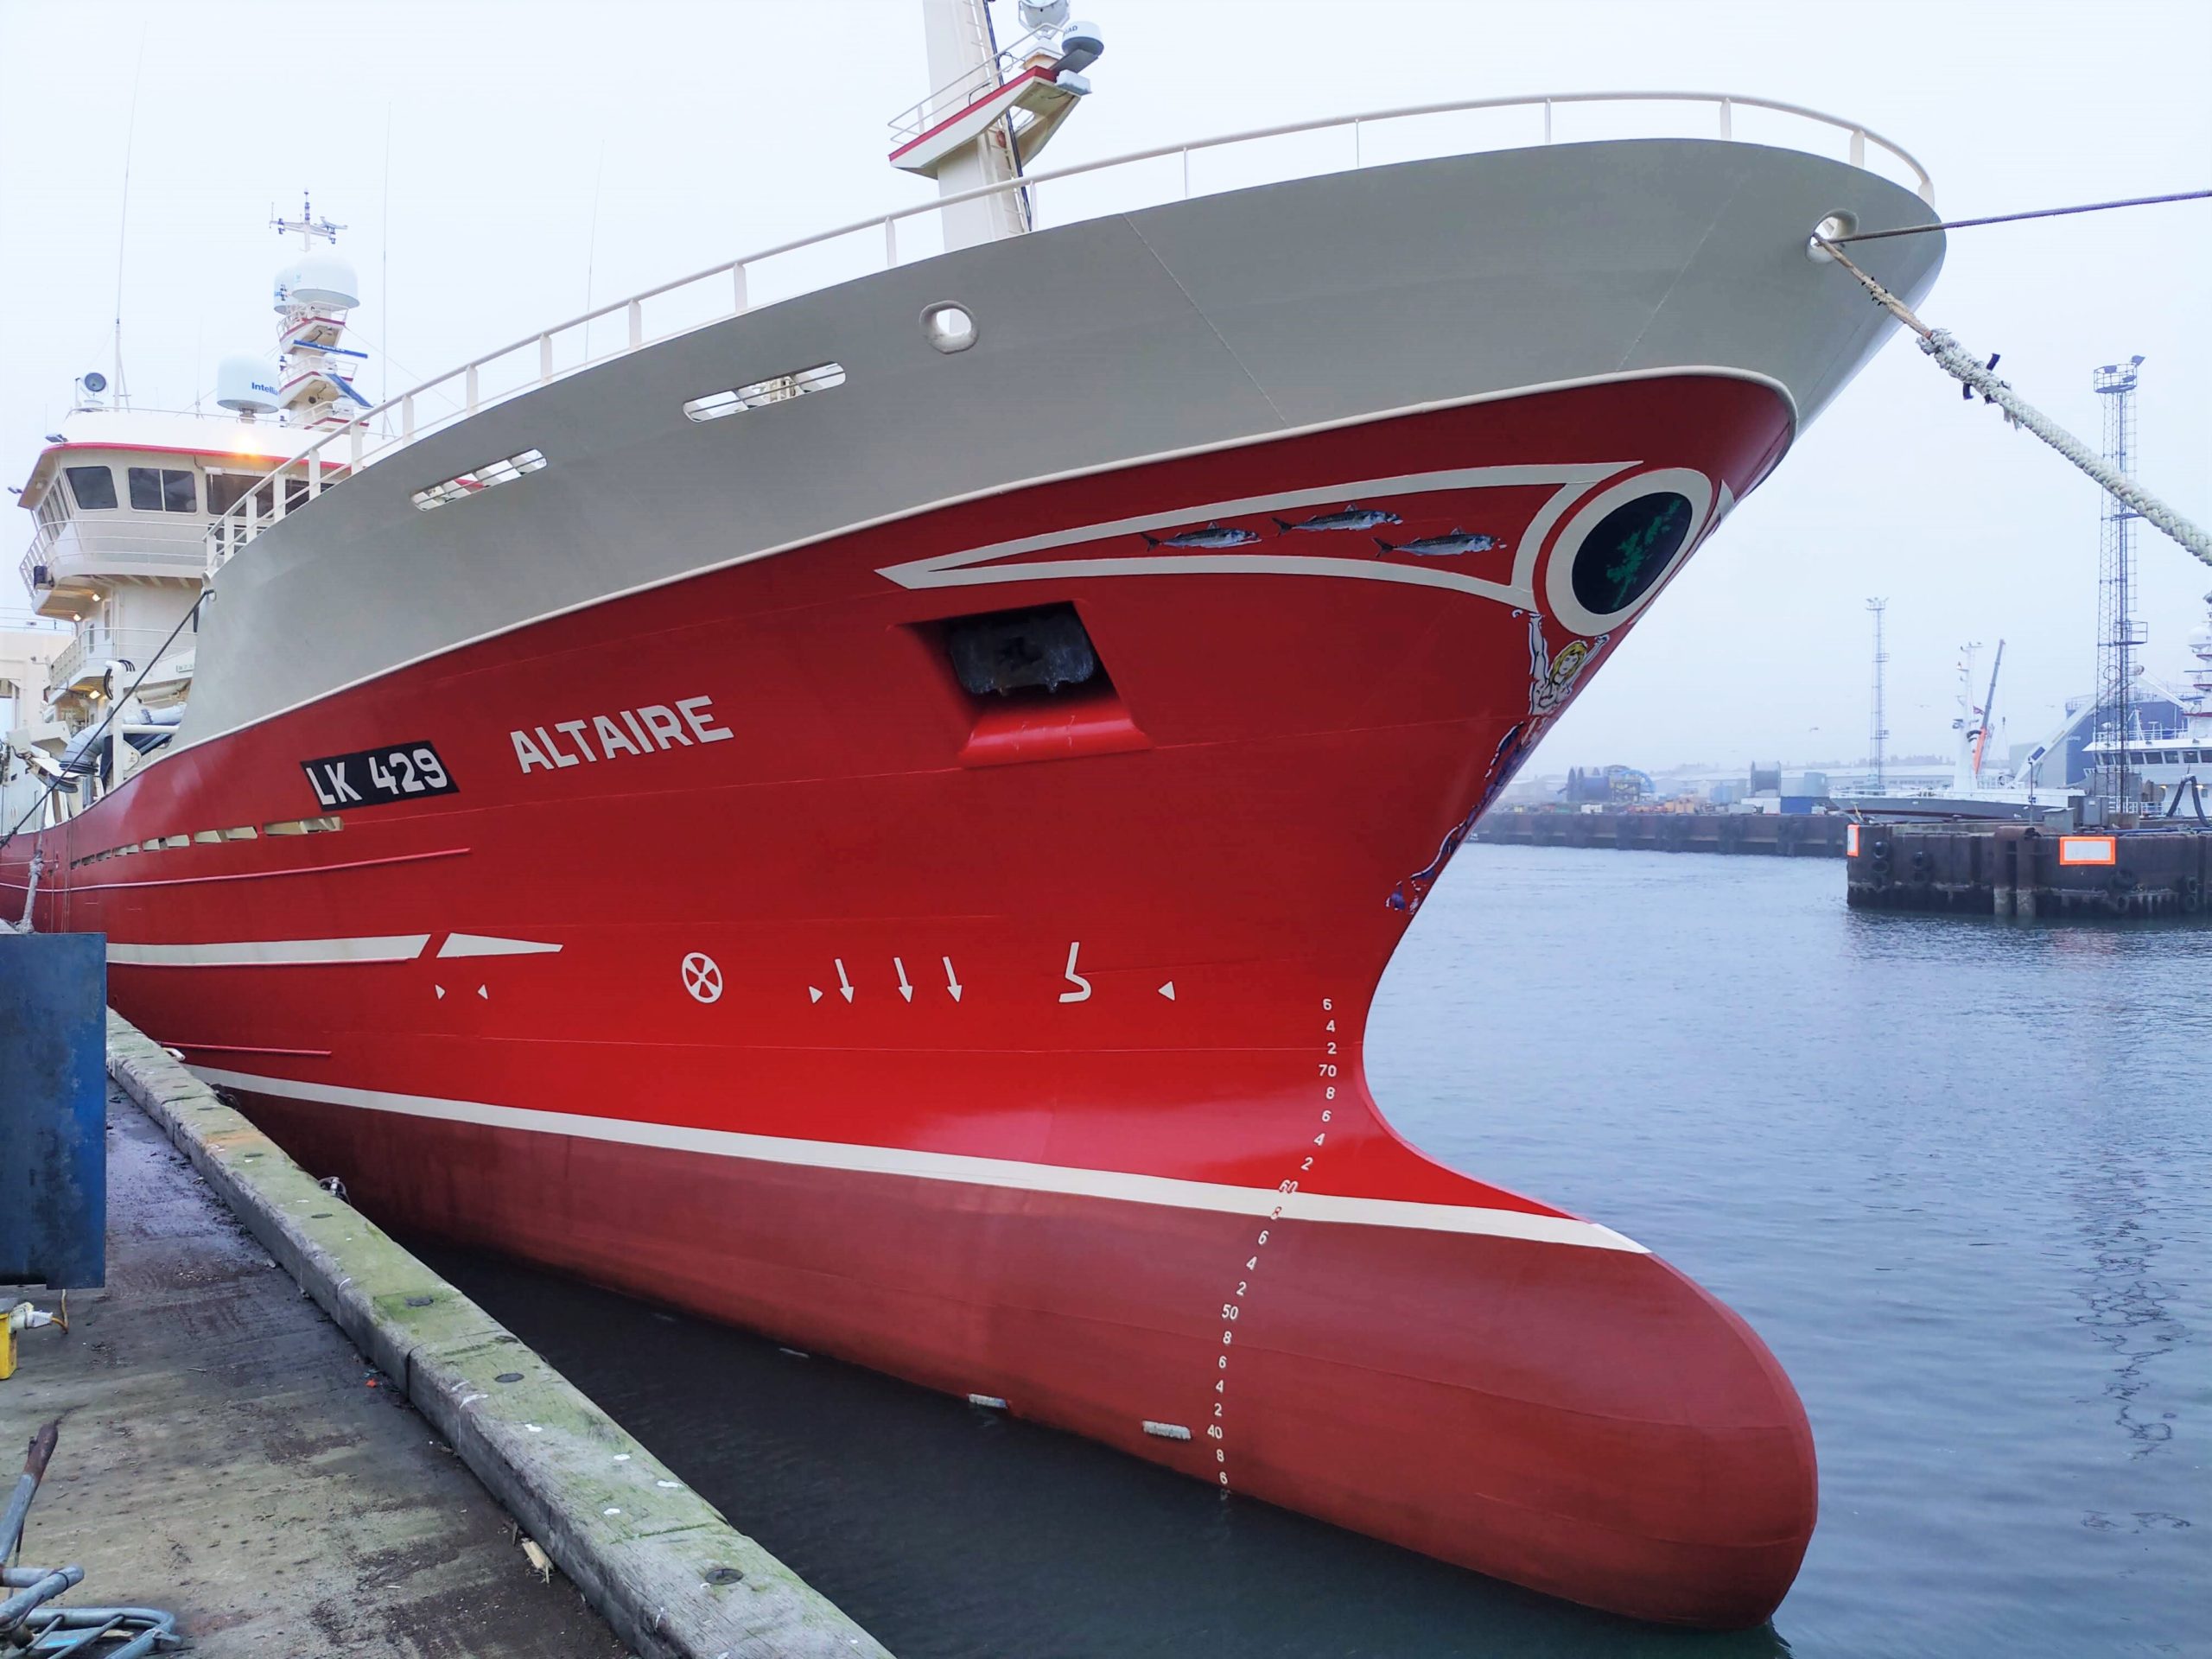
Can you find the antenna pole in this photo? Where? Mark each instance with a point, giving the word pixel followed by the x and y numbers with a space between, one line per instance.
pixel 121 388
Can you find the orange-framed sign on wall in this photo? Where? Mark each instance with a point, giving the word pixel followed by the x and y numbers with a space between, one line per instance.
pixel 2089 850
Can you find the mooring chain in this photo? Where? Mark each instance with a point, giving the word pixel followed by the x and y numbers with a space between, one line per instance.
pixel 1979 377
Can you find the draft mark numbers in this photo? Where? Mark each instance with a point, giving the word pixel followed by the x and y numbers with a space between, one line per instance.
pixel 1233 1310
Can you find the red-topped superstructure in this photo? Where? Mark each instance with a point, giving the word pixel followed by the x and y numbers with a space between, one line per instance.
pixel 942 934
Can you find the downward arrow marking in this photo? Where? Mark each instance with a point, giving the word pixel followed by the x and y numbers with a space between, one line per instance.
pixel 952 980
pixel 905 989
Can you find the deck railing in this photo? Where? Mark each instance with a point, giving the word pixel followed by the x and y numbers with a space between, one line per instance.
pixel 909 124
pixel 88 544
pixel 96 644
pixel 1058 195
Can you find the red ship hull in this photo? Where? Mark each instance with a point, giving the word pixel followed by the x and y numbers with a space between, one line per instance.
pixel 1012 1044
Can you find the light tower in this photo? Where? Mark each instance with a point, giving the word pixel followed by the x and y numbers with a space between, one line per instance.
pixel 1878 731
pixel 2118 633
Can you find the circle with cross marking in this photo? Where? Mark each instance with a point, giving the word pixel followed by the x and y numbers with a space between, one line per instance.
pixel 702 977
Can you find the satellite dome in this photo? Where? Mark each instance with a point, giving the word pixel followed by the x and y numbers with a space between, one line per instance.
pixel 245 384
pixel 320 277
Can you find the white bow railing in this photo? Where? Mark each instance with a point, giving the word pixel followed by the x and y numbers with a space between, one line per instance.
pixel 732 287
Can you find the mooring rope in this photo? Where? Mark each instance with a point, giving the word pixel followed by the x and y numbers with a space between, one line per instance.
pixel 2036 212
pixel 1979 376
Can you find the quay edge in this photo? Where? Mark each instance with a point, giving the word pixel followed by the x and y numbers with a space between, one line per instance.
pixel 638 1542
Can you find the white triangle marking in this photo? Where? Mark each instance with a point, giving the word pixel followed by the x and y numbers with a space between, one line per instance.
pixel 484 991
pixel 441 990
pixel 814 992
pixel 1168 990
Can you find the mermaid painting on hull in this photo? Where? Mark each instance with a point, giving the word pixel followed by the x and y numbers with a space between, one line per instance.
pixel 1551 685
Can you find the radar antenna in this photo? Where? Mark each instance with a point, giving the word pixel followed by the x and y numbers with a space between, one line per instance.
pixel 306 225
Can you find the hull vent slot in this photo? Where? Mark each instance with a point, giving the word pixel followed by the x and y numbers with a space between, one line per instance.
pixel 778 389
pixel 483 478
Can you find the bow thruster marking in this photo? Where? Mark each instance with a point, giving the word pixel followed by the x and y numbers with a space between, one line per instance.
pixel 702 977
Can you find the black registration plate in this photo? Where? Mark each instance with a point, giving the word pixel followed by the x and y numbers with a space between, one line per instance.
pixel 397 772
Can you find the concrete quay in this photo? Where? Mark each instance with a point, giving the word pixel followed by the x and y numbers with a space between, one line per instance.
pixel 227 1455
pixel 1793 835
pixel 295 1485
pixel 2030 874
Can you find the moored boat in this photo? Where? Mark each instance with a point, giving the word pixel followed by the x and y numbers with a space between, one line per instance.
pixel 879 818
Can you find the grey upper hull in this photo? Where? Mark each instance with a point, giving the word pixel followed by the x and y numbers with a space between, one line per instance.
pixel 1196 323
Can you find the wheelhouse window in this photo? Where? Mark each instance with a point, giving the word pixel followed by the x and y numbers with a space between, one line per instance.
pixel 296 495
pixel 163 489
pixel 93 487
pixel 226 490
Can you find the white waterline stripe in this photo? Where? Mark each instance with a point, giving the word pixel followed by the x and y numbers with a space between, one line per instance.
pixel 953 1166
pixel 249 953
pixel 485 944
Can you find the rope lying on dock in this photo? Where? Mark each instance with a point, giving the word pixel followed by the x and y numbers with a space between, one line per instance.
pixel 2035 213
pixel 1979 376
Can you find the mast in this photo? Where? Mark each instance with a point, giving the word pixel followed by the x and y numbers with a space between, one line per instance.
pixel 993 110
pixel 2199 724
pixel 1967 725
pixel 2119 631
pixel 314 374
pixel 1878 730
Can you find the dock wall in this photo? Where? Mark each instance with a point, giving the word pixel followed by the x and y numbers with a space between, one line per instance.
pixel 1773 833
pixel 2020 871
pixel 664 1568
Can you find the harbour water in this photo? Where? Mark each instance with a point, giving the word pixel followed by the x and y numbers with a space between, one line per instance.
pixel 1958 1172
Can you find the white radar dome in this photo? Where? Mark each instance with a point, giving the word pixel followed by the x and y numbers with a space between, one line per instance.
pixel 246 384
pixel 318 278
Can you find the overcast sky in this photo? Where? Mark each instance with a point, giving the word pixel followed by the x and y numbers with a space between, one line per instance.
pixel 494 163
